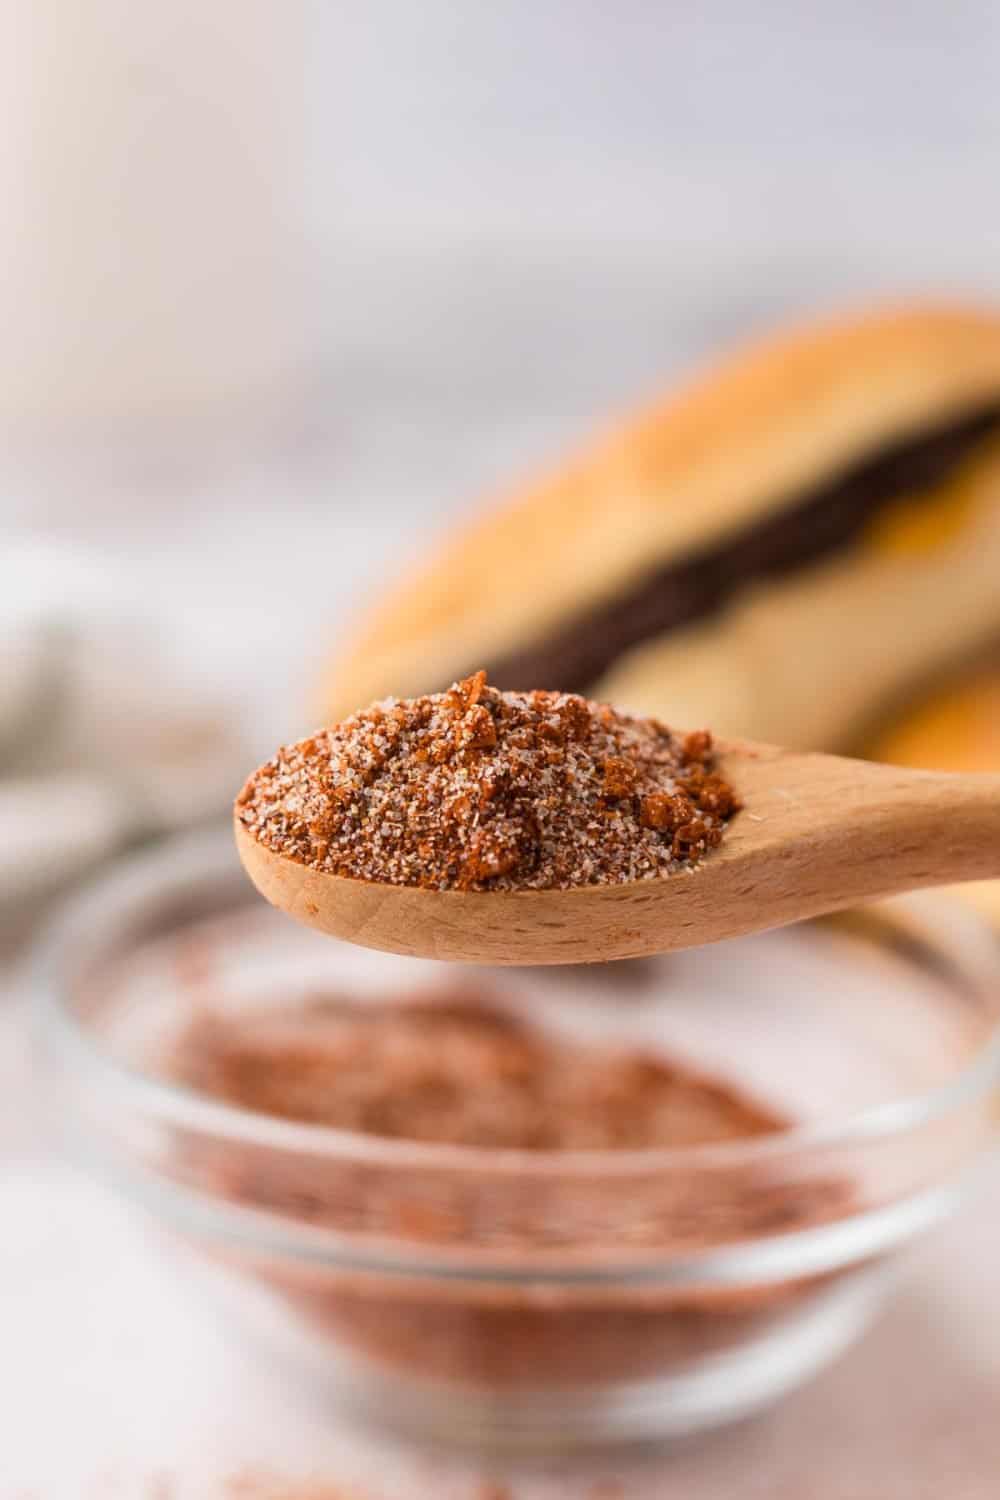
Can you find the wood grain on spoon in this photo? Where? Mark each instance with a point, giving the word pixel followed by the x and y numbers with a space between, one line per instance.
pixel 817 833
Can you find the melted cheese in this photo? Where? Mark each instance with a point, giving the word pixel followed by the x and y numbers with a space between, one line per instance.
pixel 955 730
pixel 811 659
pixel 924 523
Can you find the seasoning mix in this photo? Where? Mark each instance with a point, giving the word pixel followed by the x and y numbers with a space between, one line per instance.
pixel 473 789
pixel 457 1069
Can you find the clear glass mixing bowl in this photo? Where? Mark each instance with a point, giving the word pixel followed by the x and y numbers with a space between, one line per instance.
pixel 537 1298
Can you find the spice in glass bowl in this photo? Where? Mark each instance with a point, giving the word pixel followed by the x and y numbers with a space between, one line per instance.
pixel 522 1296
pixel 464 1069
pixel 474 789
pixel 456 1068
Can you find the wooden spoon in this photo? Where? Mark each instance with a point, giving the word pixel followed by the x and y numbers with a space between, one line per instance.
pixel 817 833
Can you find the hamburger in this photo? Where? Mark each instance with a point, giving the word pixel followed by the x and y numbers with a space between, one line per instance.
pixel 785 548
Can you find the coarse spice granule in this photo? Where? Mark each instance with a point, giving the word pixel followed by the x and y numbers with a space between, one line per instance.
pixel 473 790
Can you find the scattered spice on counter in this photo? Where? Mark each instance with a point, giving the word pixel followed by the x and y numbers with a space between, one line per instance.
pixel 267 1487
pixel 473 789
pixel 251 1487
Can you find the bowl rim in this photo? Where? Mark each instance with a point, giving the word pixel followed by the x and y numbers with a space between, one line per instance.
pixel 156 873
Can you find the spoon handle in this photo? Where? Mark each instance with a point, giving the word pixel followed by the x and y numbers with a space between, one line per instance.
pixel 947 824
pixel 858 830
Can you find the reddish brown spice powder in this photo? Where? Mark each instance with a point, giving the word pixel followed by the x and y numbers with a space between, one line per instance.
pixel 474 789
pixel 462 1070
pixel 267 1487
pixel 456 1069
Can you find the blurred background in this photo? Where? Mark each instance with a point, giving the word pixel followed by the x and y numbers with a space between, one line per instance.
pixel 284 290
pixel 287 287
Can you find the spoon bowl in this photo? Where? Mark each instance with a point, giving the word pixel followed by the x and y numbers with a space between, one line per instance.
pixel 816 834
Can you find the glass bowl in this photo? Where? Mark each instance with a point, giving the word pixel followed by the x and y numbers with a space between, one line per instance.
pixel 537 1298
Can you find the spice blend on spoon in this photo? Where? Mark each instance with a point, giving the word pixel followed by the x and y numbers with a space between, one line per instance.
pixel 473 789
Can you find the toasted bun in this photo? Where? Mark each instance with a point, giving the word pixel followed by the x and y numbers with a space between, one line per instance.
pixel 955 729
pixel 812 659
pixel 743 441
